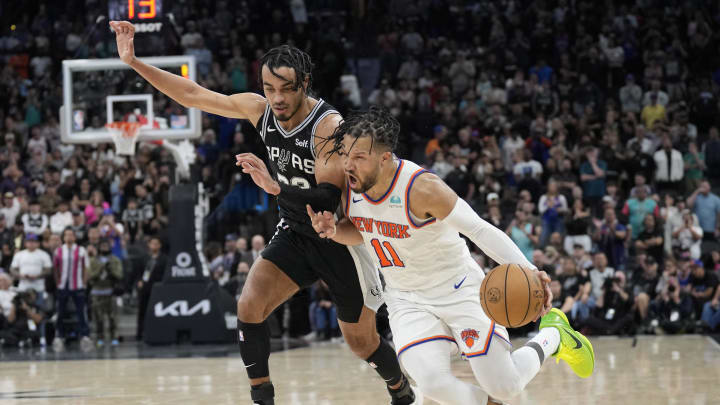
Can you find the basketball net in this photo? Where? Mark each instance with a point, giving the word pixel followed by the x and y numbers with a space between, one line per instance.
pixel 125 136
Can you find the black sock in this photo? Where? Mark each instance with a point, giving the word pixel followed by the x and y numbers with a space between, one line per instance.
pixel 263 393
pixel 385 362
pixel 254 341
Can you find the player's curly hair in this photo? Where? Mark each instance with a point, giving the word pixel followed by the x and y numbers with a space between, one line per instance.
pixel 377 123
pixel 291 57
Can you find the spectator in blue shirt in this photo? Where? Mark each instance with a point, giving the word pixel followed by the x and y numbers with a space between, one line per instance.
pixel 610 237
pixel 592 176
pixel 706 206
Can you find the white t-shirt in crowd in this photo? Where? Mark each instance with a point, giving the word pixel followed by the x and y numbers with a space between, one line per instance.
pixel 31 264
pixel 6 297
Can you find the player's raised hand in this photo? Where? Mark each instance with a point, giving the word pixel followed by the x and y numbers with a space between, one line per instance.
pixel 124 36
pixel 255 167
pixel 323 222
pixel 545 280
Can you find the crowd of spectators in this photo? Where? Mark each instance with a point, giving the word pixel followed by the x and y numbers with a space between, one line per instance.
pixel 586 130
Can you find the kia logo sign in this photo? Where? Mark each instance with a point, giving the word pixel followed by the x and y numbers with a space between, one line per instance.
pixel 182 308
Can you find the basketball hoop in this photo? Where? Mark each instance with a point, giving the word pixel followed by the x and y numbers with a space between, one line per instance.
pixel 125 136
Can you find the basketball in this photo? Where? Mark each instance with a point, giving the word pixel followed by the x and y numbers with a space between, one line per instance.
pixel 512 295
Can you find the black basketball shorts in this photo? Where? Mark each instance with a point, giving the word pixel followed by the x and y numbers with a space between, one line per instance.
pixel 349 271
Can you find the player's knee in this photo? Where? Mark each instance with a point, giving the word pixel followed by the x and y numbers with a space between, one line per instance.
pixel 505 388
pixel 434 386
pixel 642 298
pixel 250 309
pixel 362 344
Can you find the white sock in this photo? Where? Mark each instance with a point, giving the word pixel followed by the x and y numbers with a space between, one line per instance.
pixel 548 339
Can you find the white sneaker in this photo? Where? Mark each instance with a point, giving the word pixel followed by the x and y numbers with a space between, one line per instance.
pixel 43 342
pixel 86 343
pixel 58 344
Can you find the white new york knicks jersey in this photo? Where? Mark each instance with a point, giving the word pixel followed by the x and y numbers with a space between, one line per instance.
pixel 412 254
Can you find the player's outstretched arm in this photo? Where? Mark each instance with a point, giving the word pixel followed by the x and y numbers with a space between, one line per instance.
pixel 248 106
pixel 431 197
pixel 343 231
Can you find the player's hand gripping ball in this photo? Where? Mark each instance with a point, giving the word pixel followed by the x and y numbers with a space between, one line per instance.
pixel 511 295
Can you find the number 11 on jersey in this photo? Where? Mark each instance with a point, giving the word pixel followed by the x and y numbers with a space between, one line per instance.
pixel 380 252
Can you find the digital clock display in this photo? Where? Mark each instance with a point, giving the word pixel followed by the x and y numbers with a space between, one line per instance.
pixel 146 15
pixel 135 10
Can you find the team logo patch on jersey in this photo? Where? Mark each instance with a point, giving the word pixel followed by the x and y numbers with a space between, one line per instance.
pixel 469 336
pixel 283 159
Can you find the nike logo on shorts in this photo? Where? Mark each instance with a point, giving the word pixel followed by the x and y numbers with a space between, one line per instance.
pixel 248 366
pixel 356 201
pixel 460 283
pixel 578 343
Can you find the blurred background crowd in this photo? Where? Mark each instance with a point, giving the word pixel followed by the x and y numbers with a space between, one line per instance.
pixel 587 130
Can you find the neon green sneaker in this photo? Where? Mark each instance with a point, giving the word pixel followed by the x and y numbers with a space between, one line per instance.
pixel 574 348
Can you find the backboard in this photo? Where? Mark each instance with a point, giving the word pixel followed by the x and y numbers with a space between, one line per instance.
pixel 100 91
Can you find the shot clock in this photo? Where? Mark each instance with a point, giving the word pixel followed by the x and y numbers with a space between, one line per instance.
pixel 146 15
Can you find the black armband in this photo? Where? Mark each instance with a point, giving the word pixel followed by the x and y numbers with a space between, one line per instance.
pixel 325 197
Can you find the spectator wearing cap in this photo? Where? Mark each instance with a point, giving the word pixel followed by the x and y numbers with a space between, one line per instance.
pixel 631 96
pixel 31 265
pixel 435 144
pixel 669 167
pixel 35 221
pixel 71 264
pixel 105 277
pixel 10 207
pixel 61 219
pixel 707 208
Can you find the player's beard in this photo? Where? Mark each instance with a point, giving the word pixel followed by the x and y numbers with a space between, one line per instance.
pixel 286 116
pixel 363 185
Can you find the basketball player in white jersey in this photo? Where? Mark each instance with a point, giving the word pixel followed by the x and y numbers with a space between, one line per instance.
pixel 410 219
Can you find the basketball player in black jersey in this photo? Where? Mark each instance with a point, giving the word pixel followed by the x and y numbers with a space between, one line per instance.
pixel 293 126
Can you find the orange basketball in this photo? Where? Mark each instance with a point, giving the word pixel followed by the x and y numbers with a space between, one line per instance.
pixel 512 295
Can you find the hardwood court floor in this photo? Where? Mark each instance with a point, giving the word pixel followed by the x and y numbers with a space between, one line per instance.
pixel 658 370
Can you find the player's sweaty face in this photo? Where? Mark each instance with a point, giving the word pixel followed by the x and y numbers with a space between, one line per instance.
pixel 362 166
pixel 283 93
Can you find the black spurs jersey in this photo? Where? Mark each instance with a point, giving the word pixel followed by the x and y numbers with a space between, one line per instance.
pixel 292 159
